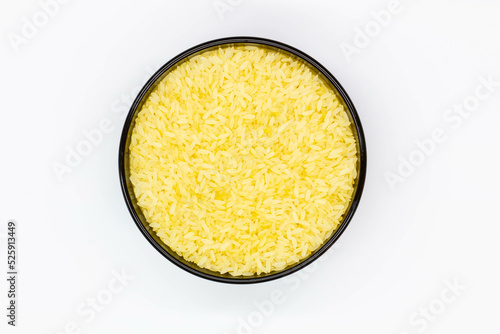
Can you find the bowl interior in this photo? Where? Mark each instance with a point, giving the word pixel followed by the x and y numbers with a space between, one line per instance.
pixel 124 169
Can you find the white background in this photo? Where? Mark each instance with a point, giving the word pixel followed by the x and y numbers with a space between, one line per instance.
pixel 440 224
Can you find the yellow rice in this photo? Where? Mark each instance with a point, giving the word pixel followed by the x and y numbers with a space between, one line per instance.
pixel 243 160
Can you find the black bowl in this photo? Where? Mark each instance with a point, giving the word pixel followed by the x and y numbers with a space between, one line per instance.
pixel 136 212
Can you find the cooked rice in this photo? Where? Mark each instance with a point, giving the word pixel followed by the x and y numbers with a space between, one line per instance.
pixel 243 160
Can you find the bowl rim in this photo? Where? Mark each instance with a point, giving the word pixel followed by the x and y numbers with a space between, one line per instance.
pixel 269 43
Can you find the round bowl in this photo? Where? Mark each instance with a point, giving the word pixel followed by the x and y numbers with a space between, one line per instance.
pixel 128 191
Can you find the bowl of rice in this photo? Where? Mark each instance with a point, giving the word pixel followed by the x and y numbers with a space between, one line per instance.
pixel 242 160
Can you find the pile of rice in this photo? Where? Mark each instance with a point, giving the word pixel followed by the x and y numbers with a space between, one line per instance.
pixel 243 160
